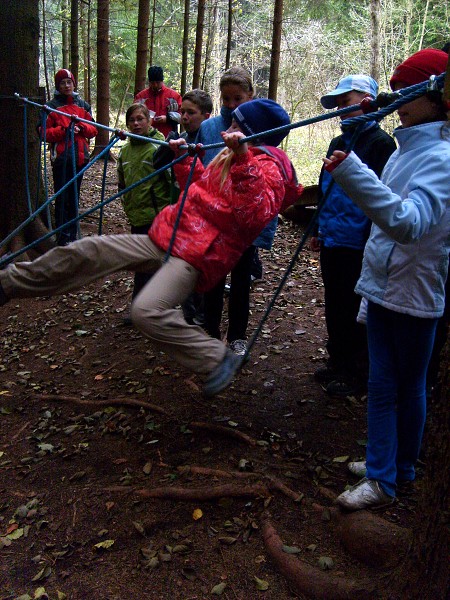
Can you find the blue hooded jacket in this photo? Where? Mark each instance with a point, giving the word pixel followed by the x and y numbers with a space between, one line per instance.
pixel 341 222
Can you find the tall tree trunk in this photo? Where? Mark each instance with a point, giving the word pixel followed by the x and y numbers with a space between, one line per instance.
pixel 184 59
pixel 142 46
pixel 276 47
pixel 424 21
pixel 229 30
pixel 64 34
pixel 152 34
pixel 74 45
pixel 375 11
pixel 85 26
pixel 198 43
pixel 102 74
pixel 210 41
pixel 44 51
pixel 22 18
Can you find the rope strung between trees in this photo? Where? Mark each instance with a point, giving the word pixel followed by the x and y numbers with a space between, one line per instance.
pixel 374 110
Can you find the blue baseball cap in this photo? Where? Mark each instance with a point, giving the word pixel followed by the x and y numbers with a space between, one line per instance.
pixel 356 83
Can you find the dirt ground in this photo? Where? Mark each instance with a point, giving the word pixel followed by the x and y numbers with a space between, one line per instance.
pixel 77 456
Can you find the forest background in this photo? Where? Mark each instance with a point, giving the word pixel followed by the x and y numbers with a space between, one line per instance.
pixel 296 50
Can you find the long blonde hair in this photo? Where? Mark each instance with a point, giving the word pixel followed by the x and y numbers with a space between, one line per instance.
pixel 223 162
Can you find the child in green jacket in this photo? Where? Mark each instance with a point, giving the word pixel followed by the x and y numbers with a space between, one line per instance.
pixel 145 201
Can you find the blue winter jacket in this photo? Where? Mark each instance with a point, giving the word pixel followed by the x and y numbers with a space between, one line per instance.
pixel 406 257
pixel 341 222
pixel 209 133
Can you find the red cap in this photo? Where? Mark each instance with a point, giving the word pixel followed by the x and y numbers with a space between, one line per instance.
pixel 420 66
pixel 63 74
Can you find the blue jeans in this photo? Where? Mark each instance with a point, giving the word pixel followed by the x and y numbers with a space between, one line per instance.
pixel 400 347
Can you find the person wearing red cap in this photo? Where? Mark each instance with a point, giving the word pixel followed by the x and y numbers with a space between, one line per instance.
pixel 58 134
pixel 402 279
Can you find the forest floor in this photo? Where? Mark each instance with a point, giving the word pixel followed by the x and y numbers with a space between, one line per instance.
pixel 92 418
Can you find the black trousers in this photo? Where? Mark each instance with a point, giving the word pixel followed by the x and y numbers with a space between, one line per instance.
pixel 347 342
pixel 66 204
pixel 238 302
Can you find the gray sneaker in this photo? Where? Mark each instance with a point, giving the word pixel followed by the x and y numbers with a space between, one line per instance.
pixel 367 493
pixel 223 374
pixel 238 347
pixel 358 468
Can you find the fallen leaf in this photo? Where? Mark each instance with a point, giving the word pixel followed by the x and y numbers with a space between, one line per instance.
pixel 219 589
pixel 197 514
pixel 325 563
pixel 43 574
pixel 341 459
pixel 104 545
pixel 261 584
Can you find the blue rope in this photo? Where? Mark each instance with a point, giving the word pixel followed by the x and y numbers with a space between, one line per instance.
pixel 180 210
pixel 31 218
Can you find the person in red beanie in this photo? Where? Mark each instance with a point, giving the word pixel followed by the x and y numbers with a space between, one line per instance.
pixel 57 132
pixel 402 280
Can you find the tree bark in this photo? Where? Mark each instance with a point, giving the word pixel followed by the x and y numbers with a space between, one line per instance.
pixel 101 141
pixel 142 46
pixel 22 18
pixel 74 45
pixel 64 34
pixel 229 31
pixel 184 58
pixel 198 43
pixel 375 11
pixel 276 47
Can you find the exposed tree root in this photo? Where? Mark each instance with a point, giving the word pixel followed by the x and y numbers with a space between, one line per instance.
pixel 94 403
pixel 307 580
pixel 371 539
pixel 226 431
pixel 256 490
pixel 272 483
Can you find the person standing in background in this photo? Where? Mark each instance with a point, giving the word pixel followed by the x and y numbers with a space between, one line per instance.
pixel 160 100
pixel 340 238
pixel 58 133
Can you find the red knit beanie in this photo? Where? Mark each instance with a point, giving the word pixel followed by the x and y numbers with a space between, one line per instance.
pixel 63 74
pixel 419 67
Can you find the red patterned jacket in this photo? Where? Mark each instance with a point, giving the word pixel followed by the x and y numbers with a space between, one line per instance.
pixel 218 224
pixel 57 125
pixel 159 102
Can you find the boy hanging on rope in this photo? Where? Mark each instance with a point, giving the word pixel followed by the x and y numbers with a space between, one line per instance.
pixel 226 206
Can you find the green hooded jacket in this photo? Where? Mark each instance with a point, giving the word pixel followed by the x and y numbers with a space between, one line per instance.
pixel 145 201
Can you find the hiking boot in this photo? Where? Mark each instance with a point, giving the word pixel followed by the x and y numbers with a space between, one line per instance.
pixel 239 347
pixel 358 468
pixel 3 297
pixel 222 375
pixel 367 493
pixel 341 388
pixel 325 374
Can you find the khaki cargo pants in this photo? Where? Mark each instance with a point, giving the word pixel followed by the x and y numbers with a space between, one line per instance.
pixel 70 267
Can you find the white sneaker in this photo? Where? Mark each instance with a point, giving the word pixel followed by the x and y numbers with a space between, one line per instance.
pixel 367 493
pixel 238 347
pixel 358 468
